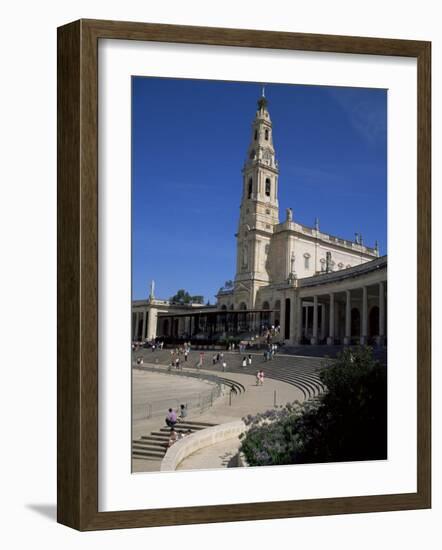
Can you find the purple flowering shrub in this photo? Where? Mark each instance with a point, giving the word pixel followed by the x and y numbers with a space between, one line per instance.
pixel 347 422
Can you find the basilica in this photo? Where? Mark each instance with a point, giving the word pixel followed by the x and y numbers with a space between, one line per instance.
pixel 313 287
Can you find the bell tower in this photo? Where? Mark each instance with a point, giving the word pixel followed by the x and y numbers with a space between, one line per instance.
pixel 259 208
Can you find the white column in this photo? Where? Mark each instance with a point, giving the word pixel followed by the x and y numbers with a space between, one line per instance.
pixel 143 335
pixel 364 324
pixel 152 324
pixel 331 329
pixel 381 314
pixel 347 338
pixel 314 339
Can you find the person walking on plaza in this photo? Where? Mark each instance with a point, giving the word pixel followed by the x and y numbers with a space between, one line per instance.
pixel 258 379
pixel 261 377
pixel 224 366
pixel 186 353
pixel 214 359
pixel 244 362
pixel 249 359
pixel 177 363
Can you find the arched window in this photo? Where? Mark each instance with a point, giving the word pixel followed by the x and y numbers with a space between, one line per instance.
pixel 307 260
pixel 268 187
pixel 249 189
pixel 267 135
pixel 223 307
pixel 242 306
pixel 265 305
pixel 256 135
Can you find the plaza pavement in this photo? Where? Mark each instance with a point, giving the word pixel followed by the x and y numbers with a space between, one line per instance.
pixel 255 399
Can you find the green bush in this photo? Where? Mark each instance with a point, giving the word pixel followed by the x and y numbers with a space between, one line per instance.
pixel 347 422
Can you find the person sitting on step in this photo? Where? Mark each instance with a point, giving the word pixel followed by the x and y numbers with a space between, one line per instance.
pixel 171 418
pixel 183 413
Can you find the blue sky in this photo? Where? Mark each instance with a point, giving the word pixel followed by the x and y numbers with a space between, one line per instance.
pixel 189 143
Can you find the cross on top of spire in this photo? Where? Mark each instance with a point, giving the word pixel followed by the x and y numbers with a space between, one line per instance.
pixel 262 102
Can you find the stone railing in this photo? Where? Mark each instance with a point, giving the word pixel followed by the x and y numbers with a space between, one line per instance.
pixel 327 238
pixel 203 438
pixel 367 267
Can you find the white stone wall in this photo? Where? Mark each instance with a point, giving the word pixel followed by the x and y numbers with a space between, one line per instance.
pixel 290 250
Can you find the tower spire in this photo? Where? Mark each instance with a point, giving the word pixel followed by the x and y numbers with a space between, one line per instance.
pixel 262 101
pixel 259 211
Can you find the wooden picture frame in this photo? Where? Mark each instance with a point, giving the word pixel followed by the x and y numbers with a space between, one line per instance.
pixel 77 225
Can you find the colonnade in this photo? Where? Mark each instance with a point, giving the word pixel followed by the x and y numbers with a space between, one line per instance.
pixel 343 316
pixel 139 318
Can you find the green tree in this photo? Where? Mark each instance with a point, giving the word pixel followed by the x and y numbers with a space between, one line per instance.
pixel 347 422
pixel 183 297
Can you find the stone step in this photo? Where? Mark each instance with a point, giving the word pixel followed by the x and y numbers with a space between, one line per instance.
pixel 160 451
pixel 163 433
pixel 192 425
pixel 151 454
pixel 180 428
pixel 145 443
pixel 197 423
pixel 157 438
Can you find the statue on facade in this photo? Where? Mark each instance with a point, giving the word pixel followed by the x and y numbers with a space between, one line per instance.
pixel 152 290
pixel 289 215
pixel 292 263
pixel 328 262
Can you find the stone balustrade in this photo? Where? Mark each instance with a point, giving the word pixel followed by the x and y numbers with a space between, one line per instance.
pixel 204 438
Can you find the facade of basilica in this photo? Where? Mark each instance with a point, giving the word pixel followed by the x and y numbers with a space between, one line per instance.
pixel 271 253
pixel 318 288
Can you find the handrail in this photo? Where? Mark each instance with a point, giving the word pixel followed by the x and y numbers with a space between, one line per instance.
pixel 195 402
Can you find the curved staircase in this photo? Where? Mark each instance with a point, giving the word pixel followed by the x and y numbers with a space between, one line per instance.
pixel 154 445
